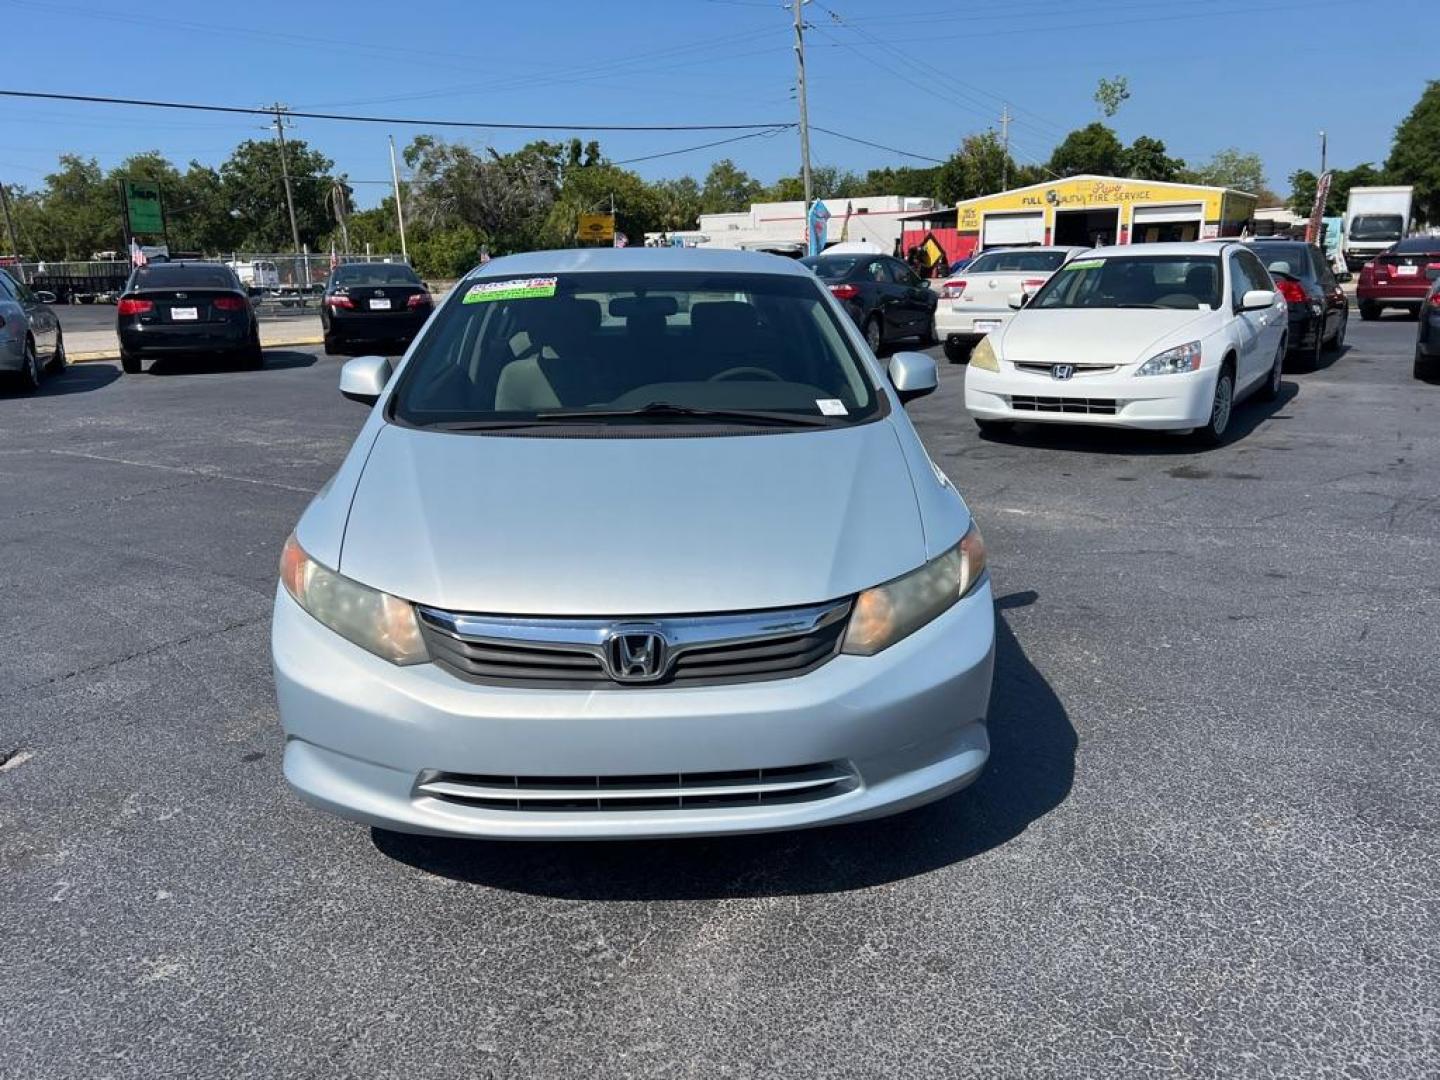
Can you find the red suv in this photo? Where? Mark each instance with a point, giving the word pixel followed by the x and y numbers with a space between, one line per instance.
pixel 1397 277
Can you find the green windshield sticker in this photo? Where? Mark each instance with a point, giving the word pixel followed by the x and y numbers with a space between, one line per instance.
pixel 525 289
pixel 1078 264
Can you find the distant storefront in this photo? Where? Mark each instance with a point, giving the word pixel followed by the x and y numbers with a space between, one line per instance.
pixel 1095 210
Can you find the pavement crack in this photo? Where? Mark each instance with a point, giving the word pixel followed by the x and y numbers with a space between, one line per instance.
pixel 202 473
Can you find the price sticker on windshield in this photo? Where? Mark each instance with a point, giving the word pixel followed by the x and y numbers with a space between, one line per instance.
pixel 523 289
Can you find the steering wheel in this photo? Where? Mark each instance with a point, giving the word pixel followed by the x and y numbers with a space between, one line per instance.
pixel 741 372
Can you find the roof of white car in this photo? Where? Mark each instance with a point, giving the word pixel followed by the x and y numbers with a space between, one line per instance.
pixel 1191 247
pixel 659 259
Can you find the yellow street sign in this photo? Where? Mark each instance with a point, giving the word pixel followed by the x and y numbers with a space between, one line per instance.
pixel 596 227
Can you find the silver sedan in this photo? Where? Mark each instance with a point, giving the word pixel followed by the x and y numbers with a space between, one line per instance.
pixel 634 543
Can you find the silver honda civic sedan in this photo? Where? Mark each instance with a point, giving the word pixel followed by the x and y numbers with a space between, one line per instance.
pixel 634 543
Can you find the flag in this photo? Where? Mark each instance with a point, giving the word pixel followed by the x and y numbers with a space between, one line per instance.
pixel 1317 211
pixel 137 257
pixel 816 228
pixel 845 225
pixel 621 240
pixel 334 259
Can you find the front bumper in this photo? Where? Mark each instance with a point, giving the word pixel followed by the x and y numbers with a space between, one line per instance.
pixel 1154 402
pixel 360 732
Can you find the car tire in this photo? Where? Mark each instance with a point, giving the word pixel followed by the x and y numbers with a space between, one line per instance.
pixel 1368 311
pixel 1311 358
pixel 57 358
pixel 931 337
pixel 1271 390
pixel 253 355
pixel 129 363
pixel 992 428
pixel 1222 407
pixel 1337 342
pixel 874 334
pixel 1427 368
pixel 29 377
pixel 332 345
pixel 957 352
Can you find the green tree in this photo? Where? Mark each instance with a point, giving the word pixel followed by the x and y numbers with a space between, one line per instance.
pixel 980 167
pixel 1093 149
pixel 1110 94
pixel 1233 168
pixel 905 180
pixel 76 214
pixel 254 186
pixel 1303 183
pixel 679 203
pixel 505 198
pixel 1146 159
pixel 728 189
pixel 1415 153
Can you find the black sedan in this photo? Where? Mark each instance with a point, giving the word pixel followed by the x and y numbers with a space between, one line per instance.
pixel 373 302
pixel 1427 342
pixel 186 308
pixel 1319 309
pixel 885 297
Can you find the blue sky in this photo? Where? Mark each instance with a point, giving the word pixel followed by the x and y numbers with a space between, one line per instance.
pixel 916 76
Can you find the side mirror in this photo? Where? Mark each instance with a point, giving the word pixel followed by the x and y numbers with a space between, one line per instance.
pixel 363 378
pixel 1257 300
pixel 1017 300
pixel 913 375
pixel 45 296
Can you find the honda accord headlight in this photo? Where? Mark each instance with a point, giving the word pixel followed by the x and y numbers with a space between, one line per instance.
pixel 1173 361
pixel 893 611
pixel 983 356
pixel 378 622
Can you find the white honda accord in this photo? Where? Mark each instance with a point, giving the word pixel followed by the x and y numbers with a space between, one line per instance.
pixel 1157 336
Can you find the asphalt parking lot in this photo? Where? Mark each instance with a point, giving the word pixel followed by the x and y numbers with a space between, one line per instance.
pixel 1206 843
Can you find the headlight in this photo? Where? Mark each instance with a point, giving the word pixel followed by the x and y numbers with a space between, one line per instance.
pixel 1173 361
pixel 378 622
pixel 983 356
pixel 893 611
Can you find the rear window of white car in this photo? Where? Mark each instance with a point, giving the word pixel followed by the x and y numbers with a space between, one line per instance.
pixel 602 348
pixel 1134 281
pixel 998 262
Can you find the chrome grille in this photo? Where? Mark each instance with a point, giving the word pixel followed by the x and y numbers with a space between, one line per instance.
pixel 1088 406
pixel 577 653
pixel 1035 368
pixel 663 791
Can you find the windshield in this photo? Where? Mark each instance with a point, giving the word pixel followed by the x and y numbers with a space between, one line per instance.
pixel 834 267
pixel 1134 281
pixel 522 350
pixel 1290 259
pixel 376 274
pixel 1376 227
pixel 996 262
pixel 179 276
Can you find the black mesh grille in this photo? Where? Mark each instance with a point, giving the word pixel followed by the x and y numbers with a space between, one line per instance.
pixel 1083 405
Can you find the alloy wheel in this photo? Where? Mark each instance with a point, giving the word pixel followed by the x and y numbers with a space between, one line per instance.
pixel 872 335
pixel 1224 402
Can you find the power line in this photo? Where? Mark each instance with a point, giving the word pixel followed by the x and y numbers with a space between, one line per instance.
pixel 877 146
pixel 705 146
pixel 243 111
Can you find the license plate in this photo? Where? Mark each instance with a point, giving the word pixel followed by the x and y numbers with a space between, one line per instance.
pixel 1407 271
pixel 984 326
pixel 184 314
pixel 380 305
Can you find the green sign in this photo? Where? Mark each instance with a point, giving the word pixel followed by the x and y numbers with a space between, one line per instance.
pixel 143 202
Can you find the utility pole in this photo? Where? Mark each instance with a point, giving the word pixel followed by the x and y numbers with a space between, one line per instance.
pixel 279 111
pixel 10 228
pixel 1005 119
pixel 399 202
pixel 798 5
pixel 1324 147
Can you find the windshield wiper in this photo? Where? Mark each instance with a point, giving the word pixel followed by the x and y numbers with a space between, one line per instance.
pixel 669 409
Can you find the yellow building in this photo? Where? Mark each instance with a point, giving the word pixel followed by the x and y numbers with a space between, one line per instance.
pixel 1095 210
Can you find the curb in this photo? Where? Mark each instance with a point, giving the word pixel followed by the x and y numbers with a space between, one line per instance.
pixel 101 355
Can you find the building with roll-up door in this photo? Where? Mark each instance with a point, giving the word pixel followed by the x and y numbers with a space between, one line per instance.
pixel 1096 210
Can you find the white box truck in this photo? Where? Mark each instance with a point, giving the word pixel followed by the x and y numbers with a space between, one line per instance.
pixel 1375 218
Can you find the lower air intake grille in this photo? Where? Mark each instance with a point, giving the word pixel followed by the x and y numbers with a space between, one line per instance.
pixel 1082 405
pixel 665 791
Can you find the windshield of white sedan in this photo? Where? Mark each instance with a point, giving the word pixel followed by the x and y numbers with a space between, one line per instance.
pixel 635 347
pixel 999 262
pixel 1134 281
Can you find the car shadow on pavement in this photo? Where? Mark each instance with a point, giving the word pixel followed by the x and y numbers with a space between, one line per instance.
pixel 1030 772
pixel 275 360
pixel 75 379
pixel 1248 415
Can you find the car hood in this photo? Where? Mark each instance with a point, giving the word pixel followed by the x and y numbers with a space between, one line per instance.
pixel 632 526
pixel 1098 335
